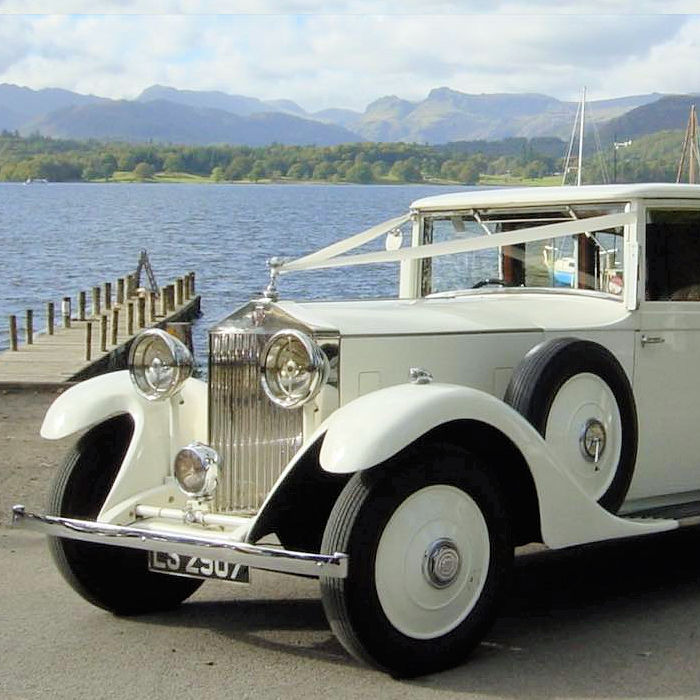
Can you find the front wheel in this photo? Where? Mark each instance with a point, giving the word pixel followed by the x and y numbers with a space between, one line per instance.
pixel 430 551
pixel 114 578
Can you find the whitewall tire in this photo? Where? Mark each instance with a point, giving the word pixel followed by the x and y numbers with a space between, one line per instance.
pixel 429 549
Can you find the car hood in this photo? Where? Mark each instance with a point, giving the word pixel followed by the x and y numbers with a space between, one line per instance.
pixel 508 311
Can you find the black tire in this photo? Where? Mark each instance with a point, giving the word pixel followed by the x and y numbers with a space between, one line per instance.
pixel 537 381
pixel 113 578
pixel 360 521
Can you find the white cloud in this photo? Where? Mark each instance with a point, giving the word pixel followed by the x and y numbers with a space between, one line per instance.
pixel 347 60
pixel 350 7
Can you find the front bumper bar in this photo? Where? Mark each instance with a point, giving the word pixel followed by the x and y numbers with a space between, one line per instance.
pixel 254 556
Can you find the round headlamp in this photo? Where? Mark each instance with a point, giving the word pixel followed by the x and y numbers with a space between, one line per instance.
pixel 294 368
pixel 158 364
pixel 197 470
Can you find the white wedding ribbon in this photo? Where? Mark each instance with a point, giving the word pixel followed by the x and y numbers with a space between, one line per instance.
pixel 331 256
pixel 335 249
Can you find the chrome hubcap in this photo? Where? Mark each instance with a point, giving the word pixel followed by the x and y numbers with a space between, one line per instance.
pixel 592 440
pixel 441 563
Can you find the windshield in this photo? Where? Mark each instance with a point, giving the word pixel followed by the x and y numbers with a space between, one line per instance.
pixel 592 260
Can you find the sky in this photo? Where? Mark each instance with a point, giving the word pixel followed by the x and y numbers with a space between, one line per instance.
pixel 347 53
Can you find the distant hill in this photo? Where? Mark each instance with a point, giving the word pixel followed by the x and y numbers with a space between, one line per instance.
pixel 448 115
pixel 168 114
pixel 214 99
pixel 667 113
pixel 445 115
pixel 19 105
pixel 343 117
pixel 163 121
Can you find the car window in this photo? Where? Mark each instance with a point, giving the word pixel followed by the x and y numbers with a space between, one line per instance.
pixel 585 261
pixel 673 255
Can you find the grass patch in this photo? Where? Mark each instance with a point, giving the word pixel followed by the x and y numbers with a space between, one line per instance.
pixel 128 176
pixel 547 181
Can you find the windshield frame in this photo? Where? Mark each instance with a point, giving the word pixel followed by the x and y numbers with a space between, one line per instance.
pixel 491 221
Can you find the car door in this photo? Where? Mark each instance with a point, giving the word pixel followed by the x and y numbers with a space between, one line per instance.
pixel 667 357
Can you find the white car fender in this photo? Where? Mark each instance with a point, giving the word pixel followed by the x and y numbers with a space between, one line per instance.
pixel 376 426
pixel 161 428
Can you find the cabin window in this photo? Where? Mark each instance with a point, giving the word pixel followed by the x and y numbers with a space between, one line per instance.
pixel 593 260
pixel 673 255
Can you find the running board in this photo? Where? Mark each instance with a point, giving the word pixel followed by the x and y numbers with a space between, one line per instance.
pixel 686 514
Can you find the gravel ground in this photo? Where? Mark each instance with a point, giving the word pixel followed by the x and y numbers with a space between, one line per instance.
pixel 619 620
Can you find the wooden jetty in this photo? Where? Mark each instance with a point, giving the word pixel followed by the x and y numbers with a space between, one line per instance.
pixel 82 344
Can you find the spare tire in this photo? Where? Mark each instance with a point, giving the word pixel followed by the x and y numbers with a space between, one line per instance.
pixel 577 395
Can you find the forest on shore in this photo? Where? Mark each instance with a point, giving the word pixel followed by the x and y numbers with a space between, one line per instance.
pixel 518 160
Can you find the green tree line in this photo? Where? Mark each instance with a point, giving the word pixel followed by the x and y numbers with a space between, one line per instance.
pixel 653 157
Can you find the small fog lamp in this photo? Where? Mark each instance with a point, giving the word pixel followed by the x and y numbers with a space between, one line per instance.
pixel 294 368
pixel 197 470
pixel 159 364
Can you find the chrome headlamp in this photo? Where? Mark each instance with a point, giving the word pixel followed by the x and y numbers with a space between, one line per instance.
pixel 158 364
pixel 294 368
pixel 197 470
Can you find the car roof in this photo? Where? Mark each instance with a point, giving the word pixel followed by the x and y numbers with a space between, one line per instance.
pixel 512 196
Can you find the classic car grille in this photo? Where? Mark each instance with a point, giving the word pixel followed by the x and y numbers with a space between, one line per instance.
pixel 254 437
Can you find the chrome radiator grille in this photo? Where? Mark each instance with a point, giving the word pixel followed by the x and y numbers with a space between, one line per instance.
pixel 254 437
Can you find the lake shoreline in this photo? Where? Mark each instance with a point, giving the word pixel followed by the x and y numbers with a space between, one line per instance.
pixel 491 181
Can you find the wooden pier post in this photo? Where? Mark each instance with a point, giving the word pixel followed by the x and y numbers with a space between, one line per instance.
pixel 130 318
pixel 96 302
pixel 65 311
pixel 171 297
pixel 49 317
pixel 192 283
pixel 179 291
pixel 13 332
pixel 115 325
pixel 120 291
pixel 81 306
pixel 88 340
pixel 107 288
pixel 141 312
pixel 29 326
pixel 163 301
pixel 151 307
pixel 103 332
pixel 130 286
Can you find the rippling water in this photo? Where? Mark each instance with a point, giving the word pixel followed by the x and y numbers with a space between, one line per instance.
pixel 58 239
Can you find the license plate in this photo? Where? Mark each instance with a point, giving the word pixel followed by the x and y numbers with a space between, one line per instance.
pixel 197 567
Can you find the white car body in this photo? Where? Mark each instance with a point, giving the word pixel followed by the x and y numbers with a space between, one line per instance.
pixel 467 343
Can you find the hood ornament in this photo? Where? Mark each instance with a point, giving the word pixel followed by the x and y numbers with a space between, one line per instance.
pixel 274 265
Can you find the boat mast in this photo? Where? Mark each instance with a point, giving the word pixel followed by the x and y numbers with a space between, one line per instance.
pixel 690 152
pixel 580 138
pixel 579 121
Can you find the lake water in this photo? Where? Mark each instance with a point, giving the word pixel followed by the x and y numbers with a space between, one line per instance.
pixel 58 239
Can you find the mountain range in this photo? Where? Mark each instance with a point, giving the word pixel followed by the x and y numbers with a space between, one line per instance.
pixel 169 115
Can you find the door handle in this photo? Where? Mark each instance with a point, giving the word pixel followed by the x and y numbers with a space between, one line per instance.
pixel 652 340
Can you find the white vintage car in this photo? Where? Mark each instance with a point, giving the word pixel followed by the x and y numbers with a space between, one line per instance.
pixel 535 381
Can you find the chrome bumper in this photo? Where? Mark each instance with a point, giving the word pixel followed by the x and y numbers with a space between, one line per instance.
pixel 254 556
